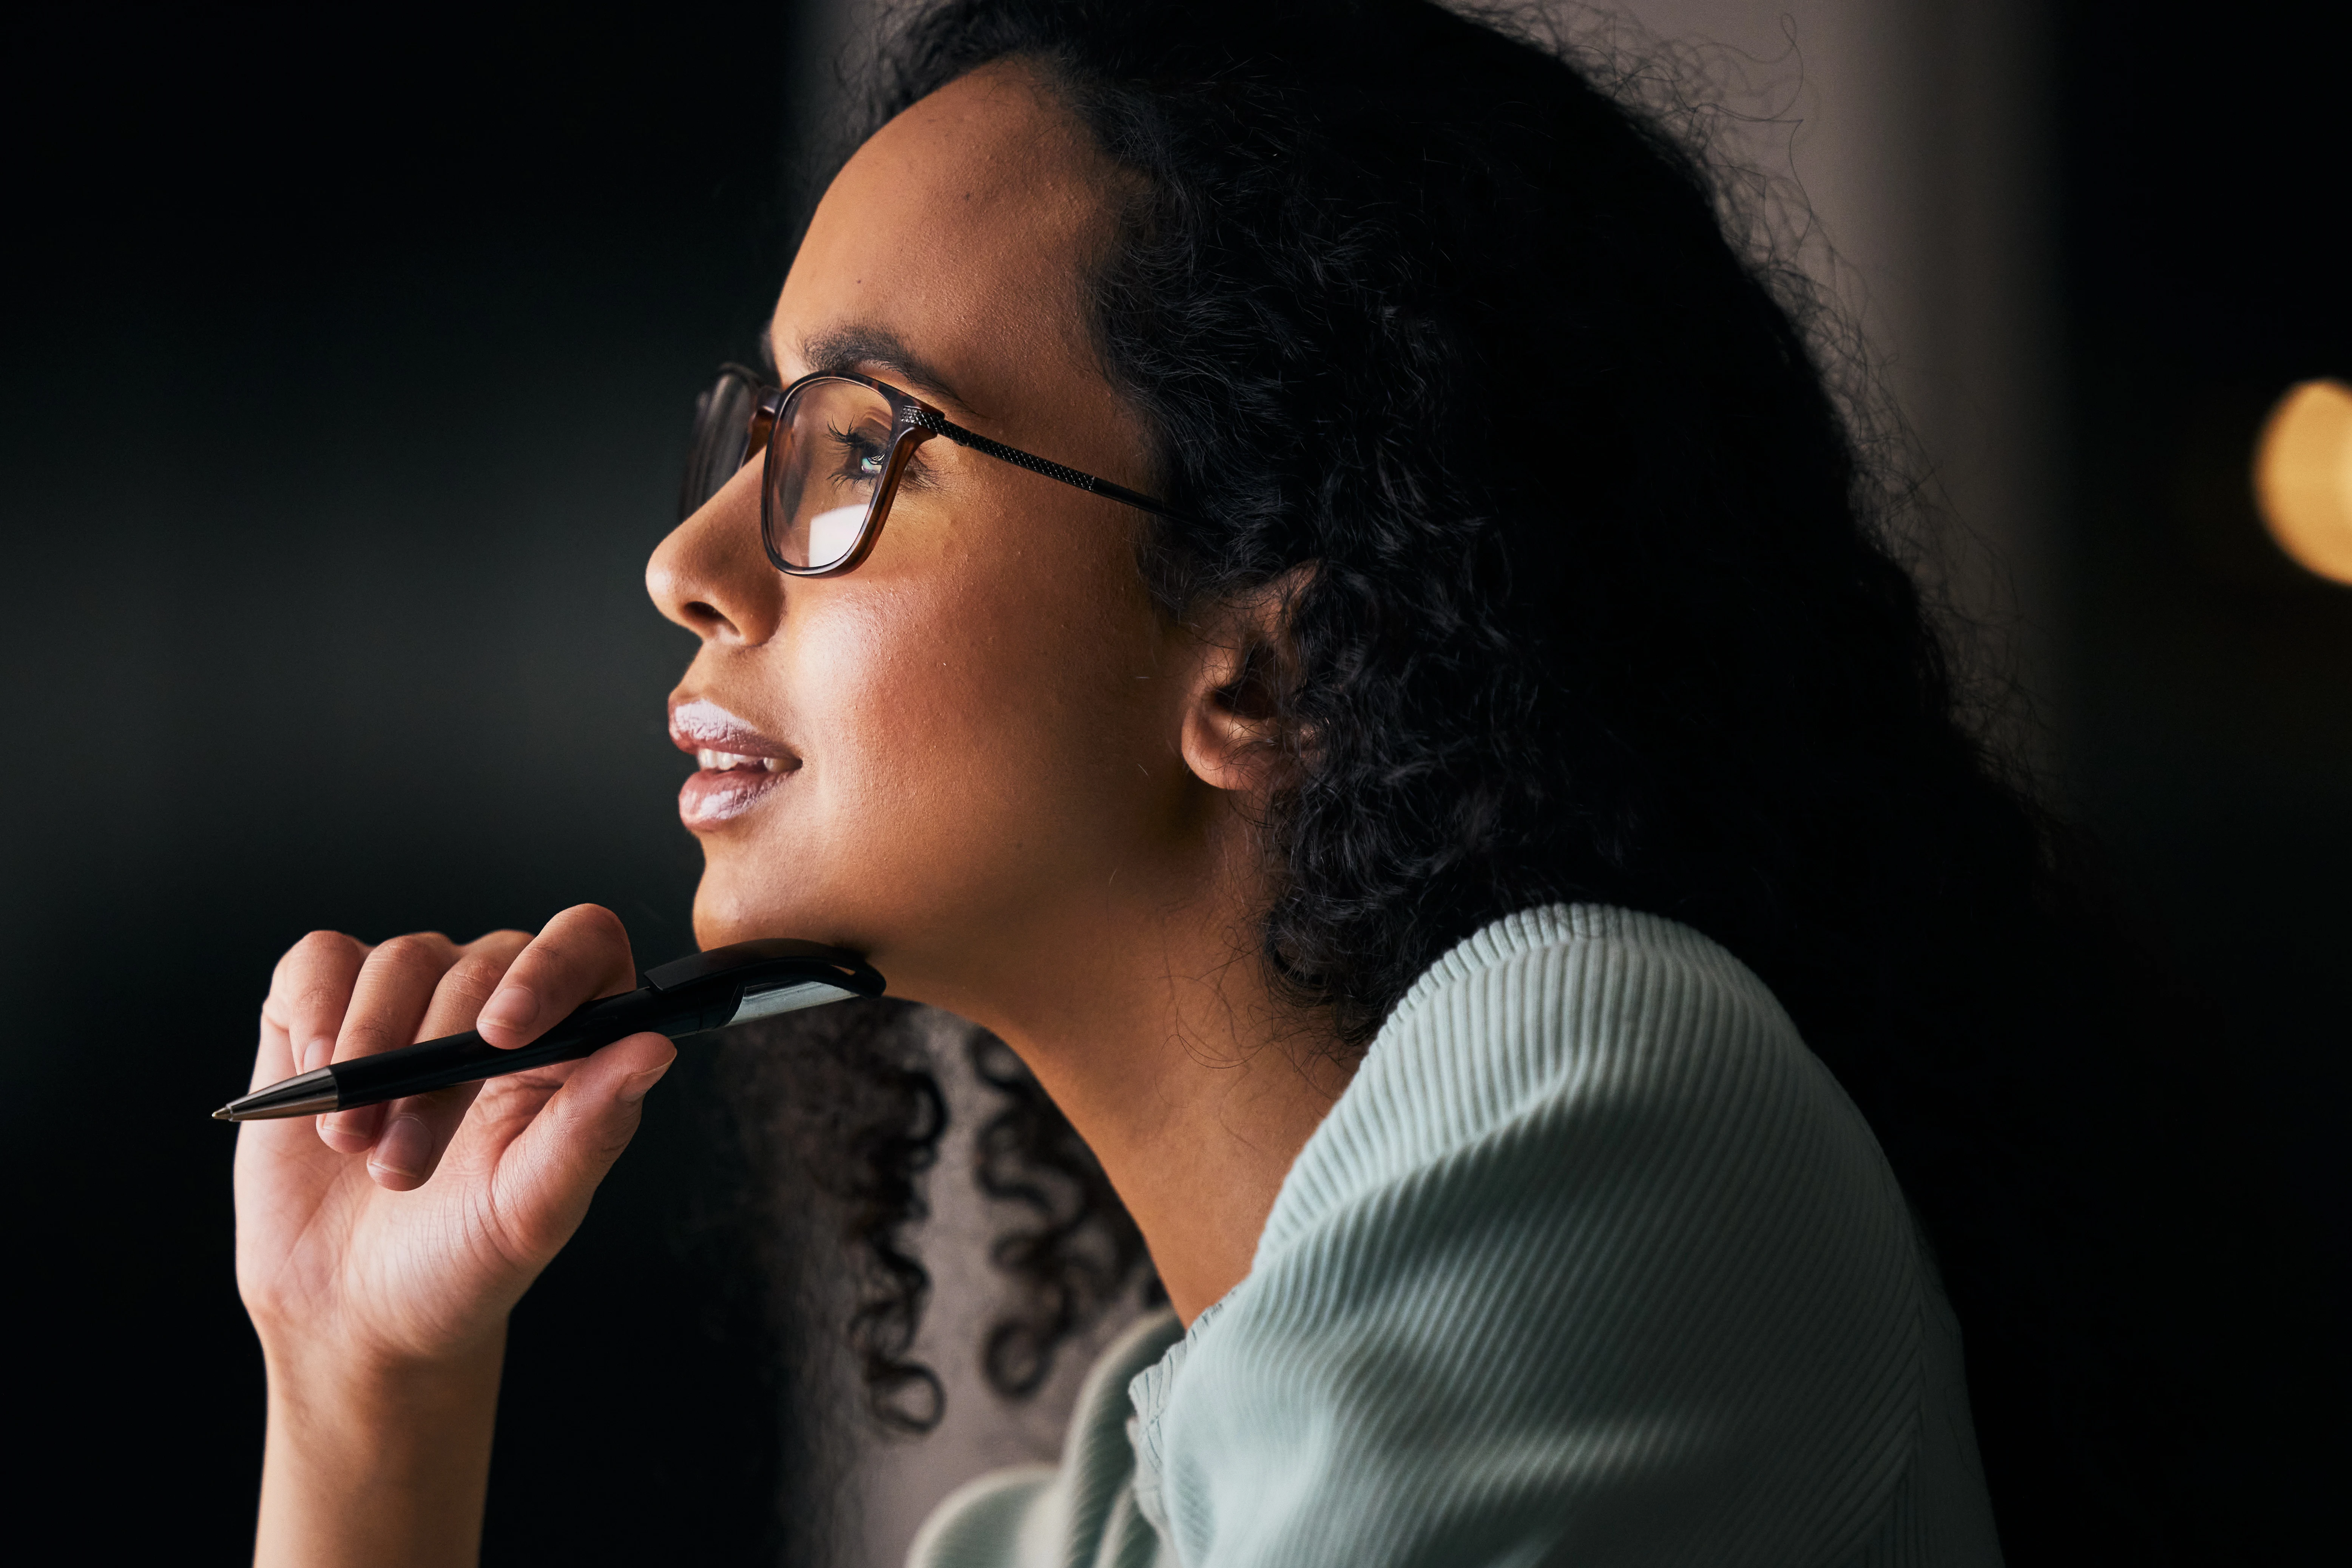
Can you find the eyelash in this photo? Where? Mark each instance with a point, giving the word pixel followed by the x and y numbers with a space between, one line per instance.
pixel 856 450
pixel 915 475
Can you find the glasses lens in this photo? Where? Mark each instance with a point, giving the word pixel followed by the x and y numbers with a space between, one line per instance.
pixel 722 433
pixel 824 467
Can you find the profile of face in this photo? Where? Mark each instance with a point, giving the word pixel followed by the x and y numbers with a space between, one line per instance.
pixel 985 745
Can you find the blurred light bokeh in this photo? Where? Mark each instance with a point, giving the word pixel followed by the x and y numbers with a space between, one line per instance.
pixel 2302 477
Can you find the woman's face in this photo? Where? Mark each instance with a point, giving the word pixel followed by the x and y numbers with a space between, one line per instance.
pixel 965 750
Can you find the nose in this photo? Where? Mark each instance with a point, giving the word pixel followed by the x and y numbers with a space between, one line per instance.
pixel 711 576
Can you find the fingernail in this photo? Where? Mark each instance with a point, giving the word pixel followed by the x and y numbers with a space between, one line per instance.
pixel 317 1054
pixel 403 1148
pixel 636 1086
pixel 514 1008
pixel 350 1132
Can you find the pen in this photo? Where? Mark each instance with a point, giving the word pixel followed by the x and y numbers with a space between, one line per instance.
pixel 706 991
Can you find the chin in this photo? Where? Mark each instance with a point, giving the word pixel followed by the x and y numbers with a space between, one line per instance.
pixel 736 903
pixel 722 916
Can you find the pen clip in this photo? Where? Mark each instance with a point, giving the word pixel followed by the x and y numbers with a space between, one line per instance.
pixel 784 959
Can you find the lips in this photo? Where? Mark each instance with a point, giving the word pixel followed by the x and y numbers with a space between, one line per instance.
pixel 736 766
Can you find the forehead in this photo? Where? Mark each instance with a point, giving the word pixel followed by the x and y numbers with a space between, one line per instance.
pixel 961 230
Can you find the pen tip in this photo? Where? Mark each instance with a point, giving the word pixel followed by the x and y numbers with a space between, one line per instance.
pixel 225 1113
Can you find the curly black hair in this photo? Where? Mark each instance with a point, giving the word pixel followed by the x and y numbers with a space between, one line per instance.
pixel 1600 602
pixel 843 1104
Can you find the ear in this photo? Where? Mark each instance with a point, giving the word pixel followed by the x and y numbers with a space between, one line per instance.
pixel 1232 734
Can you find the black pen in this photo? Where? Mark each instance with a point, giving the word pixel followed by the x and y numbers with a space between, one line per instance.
pixel 707 991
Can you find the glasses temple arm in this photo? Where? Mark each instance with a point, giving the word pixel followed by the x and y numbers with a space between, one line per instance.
pixel 940 425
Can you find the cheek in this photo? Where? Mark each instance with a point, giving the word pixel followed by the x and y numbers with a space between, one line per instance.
pixel 976 739
pixel 913 723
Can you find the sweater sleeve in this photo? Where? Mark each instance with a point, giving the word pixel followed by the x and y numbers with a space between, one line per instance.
pixel 1593 1264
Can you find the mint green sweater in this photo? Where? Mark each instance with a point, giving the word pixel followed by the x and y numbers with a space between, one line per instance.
pixel 1593 1263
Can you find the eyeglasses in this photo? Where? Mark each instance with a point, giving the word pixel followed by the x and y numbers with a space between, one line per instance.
pixel 835 447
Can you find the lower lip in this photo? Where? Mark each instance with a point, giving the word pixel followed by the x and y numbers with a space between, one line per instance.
pixel 710 798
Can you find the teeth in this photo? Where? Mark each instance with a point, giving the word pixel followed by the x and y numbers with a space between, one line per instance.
pixel 727 762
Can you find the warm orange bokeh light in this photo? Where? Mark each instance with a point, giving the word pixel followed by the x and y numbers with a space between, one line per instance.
pixel 2302 477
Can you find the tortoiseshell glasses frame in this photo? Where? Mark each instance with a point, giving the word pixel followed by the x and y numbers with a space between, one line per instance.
pixel 834 447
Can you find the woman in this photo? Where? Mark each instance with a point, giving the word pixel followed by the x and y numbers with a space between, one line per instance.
pixel 1301 582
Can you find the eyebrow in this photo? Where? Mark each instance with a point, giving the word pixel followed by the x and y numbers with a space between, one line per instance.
pixel 848 347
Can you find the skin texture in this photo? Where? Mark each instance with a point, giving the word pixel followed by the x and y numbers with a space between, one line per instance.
pixel 1022 791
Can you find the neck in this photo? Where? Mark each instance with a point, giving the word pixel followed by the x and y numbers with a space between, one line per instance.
pixel 1160 1037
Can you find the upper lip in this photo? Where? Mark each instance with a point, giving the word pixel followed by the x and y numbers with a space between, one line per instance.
pixel 699 724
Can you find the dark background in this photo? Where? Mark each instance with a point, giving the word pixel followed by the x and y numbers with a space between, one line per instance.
pixel 2208 682
pixel 2207 268
pixel 347 382
pixel 343 388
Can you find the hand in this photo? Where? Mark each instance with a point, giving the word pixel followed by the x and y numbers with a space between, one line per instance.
pixel 379 1250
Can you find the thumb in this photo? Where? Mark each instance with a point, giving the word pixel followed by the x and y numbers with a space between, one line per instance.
pixel 552 1169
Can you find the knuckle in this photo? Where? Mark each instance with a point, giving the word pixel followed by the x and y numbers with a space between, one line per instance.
pixel 317 948
pixel 505 942
pixel 584 939
pixel 591 924
pixel 312 978
pixel 414 952
pixel 477 973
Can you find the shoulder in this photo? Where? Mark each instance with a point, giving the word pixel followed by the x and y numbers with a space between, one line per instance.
pixel 1592 1245
pixel 1612 1039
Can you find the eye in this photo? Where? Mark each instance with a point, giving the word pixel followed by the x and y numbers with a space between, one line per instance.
pixel 859 455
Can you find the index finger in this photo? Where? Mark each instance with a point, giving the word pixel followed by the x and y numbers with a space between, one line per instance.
pixel 578 956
